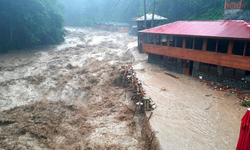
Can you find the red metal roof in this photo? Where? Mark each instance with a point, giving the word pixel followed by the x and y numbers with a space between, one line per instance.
pixel 226 29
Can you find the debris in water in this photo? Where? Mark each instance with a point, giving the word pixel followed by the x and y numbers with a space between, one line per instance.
pixel 150 116
pixel 172 75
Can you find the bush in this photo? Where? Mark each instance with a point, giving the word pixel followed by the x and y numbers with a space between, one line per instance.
pixel 246 104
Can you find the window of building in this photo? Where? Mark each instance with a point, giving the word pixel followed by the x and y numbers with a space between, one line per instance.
pixel 152 39
pixel 158 39
pixel 228 72
pixel 239 74
pixel 147 38
pixel 164 40
pixel 204 67
pixel 189 42
pixel 172 61
pixel 209 68
pixel 161 57
pixel 238 48
pixel 122 28
pixel 222 46
pixel 233 73
pixel 247 49
pixel 213 69
pixel 211 45
pixel 179 41
pixel 198 43
pixel 172 41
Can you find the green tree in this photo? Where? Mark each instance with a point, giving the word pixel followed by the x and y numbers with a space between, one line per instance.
pixel 30 22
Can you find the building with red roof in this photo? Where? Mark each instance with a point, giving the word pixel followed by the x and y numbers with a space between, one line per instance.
pixel 216 50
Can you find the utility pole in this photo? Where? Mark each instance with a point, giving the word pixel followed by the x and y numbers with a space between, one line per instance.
pixel 153 15
pixel 145 16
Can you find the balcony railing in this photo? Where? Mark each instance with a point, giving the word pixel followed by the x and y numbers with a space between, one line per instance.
pixel 235 5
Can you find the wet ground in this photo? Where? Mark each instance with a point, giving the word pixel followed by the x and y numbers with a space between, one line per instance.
pixel 189 114
pixel 65 97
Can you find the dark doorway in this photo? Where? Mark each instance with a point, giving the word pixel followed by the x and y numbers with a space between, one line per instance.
pixel 191 68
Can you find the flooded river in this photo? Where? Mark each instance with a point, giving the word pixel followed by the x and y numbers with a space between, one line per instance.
pixel 80 71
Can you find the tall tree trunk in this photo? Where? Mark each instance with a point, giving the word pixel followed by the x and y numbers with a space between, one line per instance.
pixel 153 16
pixel 145 15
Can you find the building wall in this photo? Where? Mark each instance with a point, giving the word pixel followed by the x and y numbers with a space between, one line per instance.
pixel 125 29
pixel 219 78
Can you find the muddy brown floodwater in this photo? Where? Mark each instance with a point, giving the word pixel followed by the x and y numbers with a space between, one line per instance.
pixel 187 119
pixel 65 97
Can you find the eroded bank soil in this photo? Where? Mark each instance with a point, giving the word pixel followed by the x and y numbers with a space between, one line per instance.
pixel 65 97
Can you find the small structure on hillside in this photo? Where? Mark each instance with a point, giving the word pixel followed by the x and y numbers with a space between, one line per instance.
pixel 158 20
pixel 98 25
pixel 235 10
pixel 122 27
pixel 113 26
pixel 215 50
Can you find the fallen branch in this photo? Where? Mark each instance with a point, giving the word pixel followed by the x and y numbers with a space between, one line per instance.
pixel 150 116
pixel 172 75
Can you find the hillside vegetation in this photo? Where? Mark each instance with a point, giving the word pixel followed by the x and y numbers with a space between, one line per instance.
pixel 30 22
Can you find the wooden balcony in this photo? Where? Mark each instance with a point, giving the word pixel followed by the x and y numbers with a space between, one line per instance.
pixel 227 60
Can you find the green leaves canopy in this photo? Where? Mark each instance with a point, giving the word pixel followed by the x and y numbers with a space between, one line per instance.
pixel 30 22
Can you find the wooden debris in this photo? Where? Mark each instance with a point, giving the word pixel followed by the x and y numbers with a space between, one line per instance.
pixel 243 95
pixel 150 116
pixel 172 75
pixel 139 69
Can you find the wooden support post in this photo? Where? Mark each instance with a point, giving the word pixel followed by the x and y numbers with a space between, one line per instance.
pixel 154 39
pixel 204 48
pixel 240 4
pixel 143 38
pixel 193 42
pixel 230 47
pixel 184 43
pixel 216 45
pixel 168 37
pixel 245 47
pixel 175 41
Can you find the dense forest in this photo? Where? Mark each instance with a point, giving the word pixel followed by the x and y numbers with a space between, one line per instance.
pixel 30 22
pixel 37 22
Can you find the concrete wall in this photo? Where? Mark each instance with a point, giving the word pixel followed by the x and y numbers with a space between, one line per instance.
pixel 160 60
pixel 219 78
pixel 236 14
